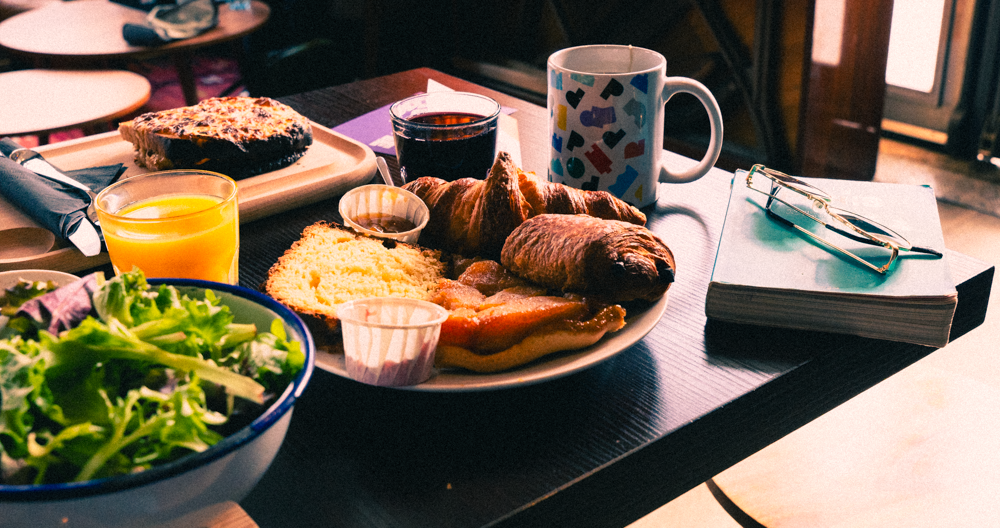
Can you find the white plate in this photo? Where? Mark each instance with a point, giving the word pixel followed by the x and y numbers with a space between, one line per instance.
pixel 9 279
pixel 546 369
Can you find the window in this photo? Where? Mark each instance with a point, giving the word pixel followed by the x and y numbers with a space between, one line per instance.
pixel 928 47
pixel 915 42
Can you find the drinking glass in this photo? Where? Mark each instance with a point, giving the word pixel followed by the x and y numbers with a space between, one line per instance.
pixel 173 224
pixel 447 135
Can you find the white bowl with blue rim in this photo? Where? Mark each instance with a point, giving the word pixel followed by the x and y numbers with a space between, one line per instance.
pixel 173 493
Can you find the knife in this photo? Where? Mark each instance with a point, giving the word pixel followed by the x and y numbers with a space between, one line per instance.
pixel 85 236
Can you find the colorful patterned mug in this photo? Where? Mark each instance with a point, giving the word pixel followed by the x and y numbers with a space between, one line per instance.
pixel 606 115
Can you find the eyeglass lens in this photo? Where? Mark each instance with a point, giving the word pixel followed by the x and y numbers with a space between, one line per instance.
pixel 790 205
pixel 798 185
pixel 795 203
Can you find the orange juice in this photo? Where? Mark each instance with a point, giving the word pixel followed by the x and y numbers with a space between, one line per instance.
pixel 193 236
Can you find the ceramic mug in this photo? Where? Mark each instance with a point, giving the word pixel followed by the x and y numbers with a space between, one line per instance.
pixel 606 116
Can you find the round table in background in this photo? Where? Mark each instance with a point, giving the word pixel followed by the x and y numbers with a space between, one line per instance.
pixel 85 32
pixel 43 101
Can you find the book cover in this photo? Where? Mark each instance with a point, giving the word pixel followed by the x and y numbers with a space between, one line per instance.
pixel 767 273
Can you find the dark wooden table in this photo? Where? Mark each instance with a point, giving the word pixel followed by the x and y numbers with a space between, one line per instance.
pixel 602 447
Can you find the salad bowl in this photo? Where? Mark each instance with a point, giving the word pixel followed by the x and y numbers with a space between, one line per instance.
pixel 174 493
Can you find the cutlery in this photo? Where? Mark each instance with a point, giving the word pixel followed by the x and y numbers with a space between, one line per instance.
pixel 37 164
pixel 383 168
pixel 84 236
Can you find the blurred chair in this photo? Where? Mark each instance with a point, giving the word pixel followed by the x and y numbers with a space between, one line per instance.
pixel 697 508
pixel 306 44
pixel 90 36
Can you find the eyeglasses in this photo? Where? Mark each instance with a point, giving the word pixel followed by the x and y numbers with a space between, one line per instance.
pixel 840 221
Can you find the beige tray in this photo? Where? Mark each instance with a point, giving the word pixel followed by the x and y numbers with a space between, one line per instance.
pixel 332 165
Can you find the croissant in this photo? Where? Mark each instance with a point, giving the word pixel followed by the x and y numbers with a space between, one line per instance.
pixel 474 217
pixel 612 260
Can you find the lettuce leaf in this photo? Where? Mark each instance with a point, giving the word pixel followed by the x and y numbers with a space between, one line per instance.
pixel 123 296
pixel 178 421
pixel 56 310
pixel 19 378
pixel 271 359
pixel 153 376
pixel 93 342
pixel 22 292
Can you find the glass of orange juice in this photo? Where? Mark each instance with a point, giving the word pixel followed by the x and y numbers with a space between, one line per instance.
pixel 175 224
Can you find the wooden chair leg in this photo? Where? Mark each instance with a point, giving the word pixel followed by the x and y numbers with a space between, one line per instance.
pixel 185 72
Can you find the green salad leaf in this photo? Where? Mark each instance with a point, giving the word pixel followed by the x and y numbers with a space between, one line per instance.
pixel 153 376
pixel 19 378
pixel 12 298
pixel 60 309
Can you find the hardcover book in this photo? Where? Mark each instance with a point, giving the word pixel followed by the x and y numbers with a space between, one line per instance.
pixel 768 274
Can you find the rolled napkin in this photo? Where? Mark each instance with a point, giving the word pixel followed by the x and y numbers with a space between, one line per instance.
pixel 55 206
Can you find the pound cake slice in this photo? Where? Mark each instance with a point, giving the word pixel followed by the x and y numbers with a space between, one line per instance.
pixel 237 136
pixel 330 265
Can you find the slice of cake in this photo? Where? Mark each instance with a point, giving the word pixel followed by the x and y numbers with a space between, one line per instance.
pixel 330 265
pixel 236 136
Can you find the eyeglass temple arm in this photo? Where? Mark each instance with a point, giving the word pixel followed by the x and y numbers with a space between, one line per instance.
pixel 928 251
pixel 796 227
pixel 863 240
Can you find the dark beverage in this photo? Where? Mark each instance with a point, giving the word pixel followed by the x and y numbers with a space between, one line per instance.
pixel 446 149
pixel 446 118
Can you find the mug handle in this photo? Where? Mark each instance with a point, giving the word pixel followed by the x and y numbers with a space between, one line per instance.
pixel 675 85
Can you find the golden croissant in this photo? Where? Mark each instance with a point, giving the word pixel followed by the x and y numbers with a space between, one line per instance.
pixel 474 217
pixel 614 261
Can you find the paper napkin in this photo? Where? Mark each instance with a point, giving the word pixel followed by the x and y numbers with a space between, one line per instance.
pixel 55 206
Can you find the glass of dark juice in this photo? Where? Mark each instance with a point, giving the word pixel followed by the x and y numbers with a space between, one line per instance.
pixel 447 135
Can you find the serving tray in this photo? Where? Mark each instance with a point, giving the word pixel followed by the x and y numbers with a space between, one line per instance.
pixel 333 165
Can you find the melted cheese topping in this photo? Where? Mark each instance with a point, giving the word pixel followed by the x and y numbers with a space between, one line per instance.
pixel 235 119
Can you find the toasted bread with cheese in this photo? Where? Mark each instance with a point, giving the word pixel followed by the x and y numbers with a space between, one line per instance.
pixel 237 136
